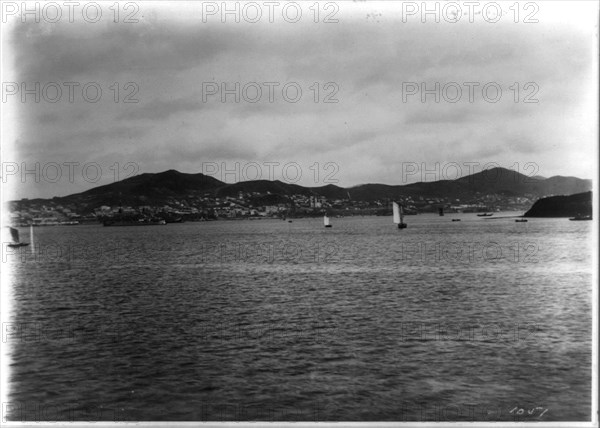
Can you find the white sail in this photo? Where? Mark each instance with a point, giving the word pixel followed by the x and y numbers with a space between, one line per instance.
pixel 31 237
pixel 326 221
pixel 396 207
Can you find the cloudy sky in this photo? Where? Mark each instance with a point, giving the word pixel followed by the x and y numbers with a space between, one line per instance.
pixel 176 57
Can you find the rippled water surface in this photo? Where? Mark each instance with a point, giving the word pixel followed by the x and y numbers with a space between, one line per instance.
pixel 269 320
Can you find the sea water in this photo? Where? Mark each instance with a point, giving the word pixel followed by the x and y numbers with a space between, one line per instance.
pixel 479 320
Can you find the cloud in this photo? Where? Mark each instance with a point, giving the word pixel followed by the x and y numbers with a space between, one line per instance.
pixel 371 127
pixel 163 109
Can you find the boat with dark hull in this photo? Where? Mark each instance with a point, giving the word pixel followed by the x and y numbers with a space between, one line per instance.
pixel 16 241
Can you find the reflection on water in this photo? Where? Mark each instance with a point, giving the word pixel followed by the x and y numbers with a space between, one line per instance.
pixel 269 320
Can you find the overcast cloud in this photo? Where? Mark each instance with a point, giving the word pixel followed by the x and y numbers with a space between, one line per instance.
pixel 366 57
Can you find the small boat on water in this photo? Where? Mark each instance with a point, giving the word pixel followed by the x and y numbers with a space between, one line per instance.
pixel 485 215
pixel 455 219
pixel 521 220
pixel 441 211
pixel 581 218
pixel 398 215
pixel 326 222
pixel 16 241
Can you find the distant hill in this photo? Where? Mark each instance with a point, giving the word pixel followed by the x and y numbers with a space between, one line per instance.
pixel 493 181
pixel 163 188
pixel 562 206
pixel 261 186
pixel 146 189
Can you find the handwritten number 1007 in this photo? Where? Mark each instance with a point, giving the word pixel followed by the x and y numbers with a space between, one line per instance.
pixel 521 411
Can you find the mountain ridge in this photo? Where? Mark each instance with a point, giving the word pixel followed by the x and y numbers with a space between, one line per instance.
pixel 161 188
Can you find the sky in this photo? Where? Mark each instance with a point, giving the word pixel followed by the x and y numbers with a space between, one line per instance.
pixel 359 104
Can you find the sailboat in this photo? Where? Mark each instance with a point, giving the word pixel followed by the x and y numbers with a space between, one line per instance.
pixel 398 215
pixel 326 221
pixel 16 242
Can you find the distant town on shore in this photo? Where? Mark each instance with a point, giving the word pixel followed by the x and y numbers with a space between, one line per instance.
pixel 173 196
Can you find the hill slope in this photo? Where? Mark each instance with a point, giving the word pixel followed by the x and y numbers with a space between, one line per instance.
pixel 562 206
pixel 146 189
pixel 166 187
